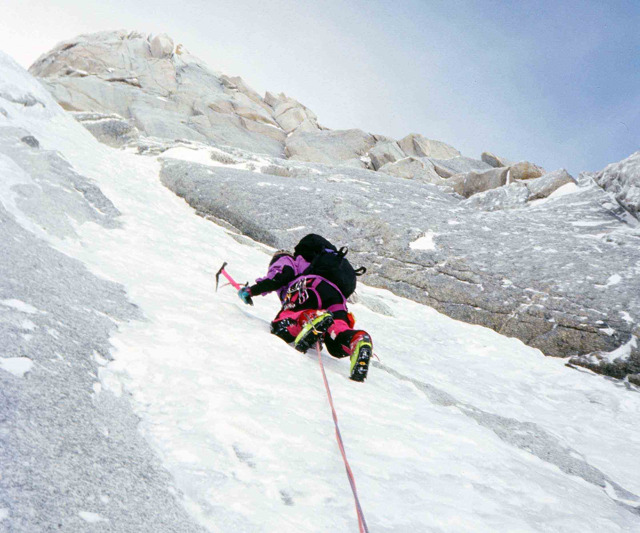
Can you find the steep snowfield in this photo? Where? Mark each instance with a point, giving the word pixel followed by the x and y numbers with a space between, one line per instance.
pixel 457 428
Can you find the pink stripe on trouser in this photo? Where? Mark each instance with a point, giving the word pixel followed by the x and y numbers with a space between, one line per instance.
pixel 337 327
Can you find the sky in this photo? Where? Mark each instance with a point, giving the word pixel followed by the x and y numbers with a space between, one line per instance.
pixel 553 82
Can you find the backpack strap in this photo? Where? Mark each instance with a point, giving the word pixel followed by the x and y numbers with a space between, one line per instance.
pixel 342 252
pixel 337 307
pixel 309 270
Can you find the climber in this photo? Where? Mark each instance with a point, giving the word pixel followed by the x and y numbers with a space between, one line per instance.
pixel 313 284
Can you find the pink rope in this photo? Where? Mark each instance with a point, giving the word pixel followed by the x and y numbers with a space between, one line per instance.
pixel 362 525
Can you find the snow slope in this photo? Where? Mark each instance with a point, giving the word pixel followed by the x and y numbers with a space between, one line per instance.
pixel 457 428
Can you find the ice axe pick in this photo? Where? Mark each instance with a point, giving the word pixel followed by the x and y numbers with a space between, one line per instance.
pixel 233 282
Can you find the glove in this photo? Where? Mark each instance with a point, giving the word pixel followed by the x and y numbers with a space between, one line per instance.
pixel 245 295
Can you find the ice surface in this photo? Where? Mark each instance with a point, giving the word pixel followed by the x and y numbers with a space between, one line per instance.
pixel 425 242
pixel 19 305
pixel 92 518
pixel 18 366
pixel 614 280
pixel 188 154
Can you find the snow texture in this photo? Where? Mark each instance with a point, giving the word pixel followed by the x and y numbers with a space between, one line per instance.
pixel 425 242
pixel 92 518
pixel 19 306
pixel 18 366
pixel 62 448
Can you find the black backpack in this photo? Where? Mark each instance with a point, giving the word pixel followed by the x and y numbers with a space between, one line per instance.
pixel 329 262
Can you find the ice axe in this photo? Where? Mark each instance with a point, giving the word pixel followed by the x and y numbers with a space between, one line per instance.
pixel 233 282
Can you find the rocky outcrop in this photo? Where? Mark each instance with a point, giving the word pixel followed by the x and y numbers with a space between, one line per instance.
pixel 471 183
pixel 525 171
pixel 341 147
pixel 549 183
pixel 518 193
pixel 291 115
pixel 494 160
pixel 413 168
pixel 622 180
pixel 162 91
pixel 161 46
pixel 560 276
pixel 112 129
pixel 385 152
pixel 164 94
pixel 416 145
pixel 510 196
pixel 458 165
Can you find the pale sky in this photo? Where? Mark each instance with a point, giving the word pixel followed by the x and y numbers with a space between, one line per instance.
pixel 553 82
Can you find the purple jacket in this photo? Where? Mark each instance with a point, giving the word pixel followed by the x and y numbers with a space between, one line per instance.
pixel 281 273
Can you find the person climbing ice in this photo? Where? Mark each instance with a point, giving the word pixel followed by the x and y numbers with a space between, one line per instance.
pixel 313 284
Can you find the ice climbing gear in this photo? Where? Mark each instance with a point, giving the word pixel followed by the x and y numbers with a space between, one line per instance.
pixel 233 282
pixel 361 350
pixel 313 331
pixel 222 271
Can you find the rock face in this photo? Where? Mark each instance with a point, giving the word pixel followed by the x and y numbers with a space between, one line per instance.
pixel 161 46
pixel 413 168
pixel 385 152
pixel 342 147
pixel 518 193
pixel 129 85
pixel 163 94
pixel 458 165
pixel 146 85
pixel 419 146
pixel 471 183
pixel 494 160
pixel 510 196
pixel 622 179
pixel 291 115
pixel 560 275
pixel 112 129
pixel 525 171
pixel 544 186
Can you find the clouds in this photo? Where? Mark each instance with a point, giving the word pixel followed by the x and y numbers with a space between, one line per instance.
pixel 553 82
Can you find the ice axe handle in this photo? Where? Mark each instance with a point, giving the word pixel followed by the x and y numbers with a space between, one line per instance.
pixel 236 285
pixel 229 278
